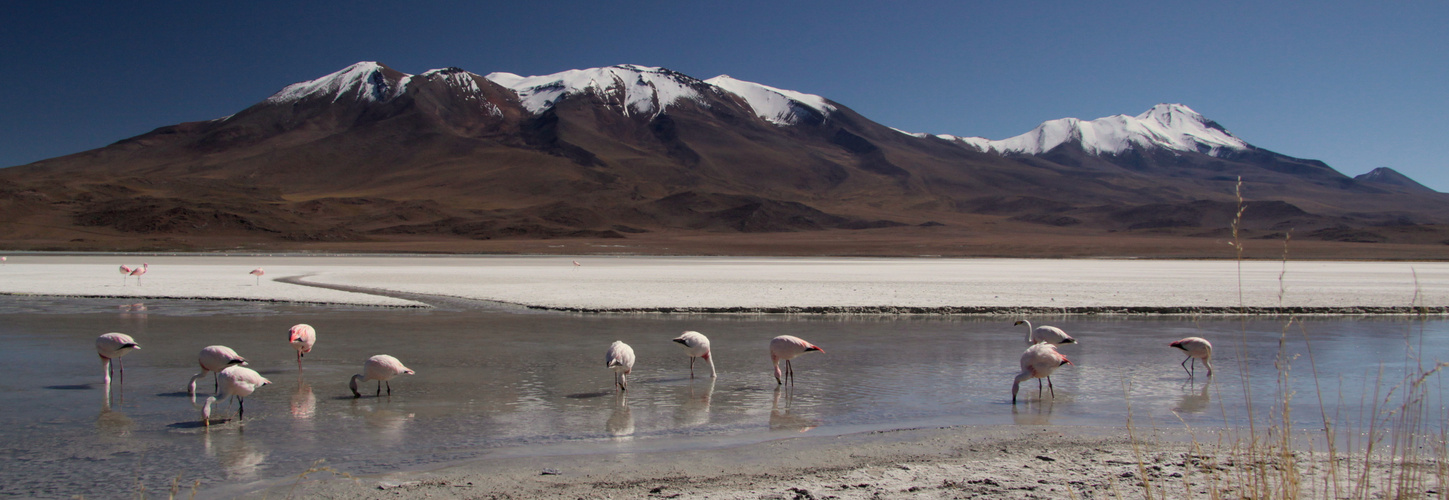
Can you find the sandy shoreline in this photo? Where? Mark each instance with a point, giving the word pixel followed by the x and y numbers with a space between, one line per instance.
pixel 1011 462
pixel 764 285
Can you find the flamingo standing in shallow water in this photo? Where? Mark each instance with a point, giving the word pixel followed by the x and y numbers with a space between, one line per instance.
pixel 112 346
pixel 381 368
pixel 238 381
pixel 137 272
pixel 1196 348
pixel 1048 334
pixel 258 272
pixel 302 337
pixel 125 271
pixel 214 359
pixel 785 348
pixel 1039 361
pixel 620 360
pixel 696 345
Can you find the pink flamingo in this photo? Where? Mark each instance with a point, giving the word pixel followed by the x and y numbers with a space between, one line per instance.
pixel 112 346
pixel 214 359
pixel 302 337
pixel 238 381
pixel 381 368
pixel 696 345
pixel 620 360
pixel 258 272
pixel 785 348
pixel 125 271
pixel 137 272
pixel 1048 334
pixel 1196 348
pixel 1038 362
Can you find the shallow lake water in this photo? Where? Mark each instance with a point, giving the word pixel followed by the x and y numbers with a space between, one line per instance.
pixel 497 381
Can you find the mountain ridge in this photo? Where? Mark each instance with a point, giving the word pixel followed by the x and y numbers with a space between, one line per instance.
pixel 372 155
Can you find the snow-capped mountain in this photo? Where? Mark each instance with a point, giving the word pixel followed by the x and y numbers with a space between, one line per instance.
pixel 370 153
pixel 363 81
pixel 777 106
pixel 635 89
pixel 1167 126
pixel 631 89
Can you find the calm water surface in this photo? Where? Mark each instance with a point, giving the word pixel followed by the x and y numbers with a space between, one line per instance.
pixel 499 382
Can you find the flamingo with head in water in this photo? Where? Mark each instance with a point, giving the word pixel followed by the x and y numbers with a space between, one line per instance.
pixel 1039 361
pixel 238 381
pixel 785 348
pixel 381 368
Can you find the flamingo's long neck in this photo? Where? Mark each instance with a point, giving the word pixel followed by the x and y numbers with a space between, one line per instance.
pixel 1028 331
pixel 353 385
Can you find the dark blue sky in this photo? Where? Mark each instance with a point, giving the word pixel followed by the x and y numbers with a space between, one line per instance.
pixel 1356 84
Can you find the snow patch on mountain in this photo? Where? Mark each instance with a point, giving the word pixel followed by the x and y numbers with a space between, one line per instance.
pixel 777 106
pixel 1168 126
pixel 641 89
pixel 363 81
pixel 465 83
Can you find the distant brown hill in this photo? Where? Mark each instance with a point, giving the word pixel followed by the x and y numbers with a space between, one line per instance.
pixel 372 159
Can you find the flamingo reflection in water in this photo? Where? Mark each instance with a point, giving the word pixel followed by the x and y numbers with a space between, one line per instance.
pixel 238 458
pixel 621 419
pixel 783 418
pixel 695 410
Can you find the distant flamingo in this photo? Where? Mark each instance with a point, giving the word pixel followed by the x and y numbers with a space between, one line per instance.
pixel 1048 334
pixel 1039 361
pixel 113 346
pixel 238 381
pixel 381 368
pixel 577 264
pixel 2 260
pixel 258 272
pixel 620 360
pixel 696 345
pixel 137 272
pixel 125 271
pixel 214 359
pixel 1196 348
pixel 785 348
pixel 302 337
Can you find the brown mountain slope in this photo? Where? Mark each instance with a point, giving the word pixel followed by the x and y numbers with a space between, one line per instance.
pixel 449 159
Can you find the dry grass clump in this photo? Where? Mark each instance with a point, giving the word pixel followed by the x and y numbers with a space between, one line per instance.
pixel 1395 447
